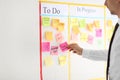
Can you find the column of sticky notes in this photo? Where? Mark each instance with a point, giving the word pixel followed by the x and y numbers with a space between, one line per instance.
pixel 53 40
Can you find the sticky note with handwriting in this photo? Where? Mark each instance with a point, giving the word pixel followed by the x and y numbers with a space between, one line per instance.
pixel 45 46
pixel 64 46
pixel 62 60
pixel 59 37
pixel 48 61
pixel 49 35
pixel 90 27
pixel 45 21
pixel 55 23
pixel 96 23
pixel 54 50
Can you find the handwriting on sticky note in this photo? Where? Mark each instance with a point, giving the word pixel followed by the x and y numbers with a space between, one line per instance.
pixel 59 37
pixel 45 46
pixel 48 61
pixel 96 23
pixel 64 46
pixel 55 23
pixel 98 32
pixel 82 23
pixel 45 21
pixel 90 39
pixel 75 30
pixel 90 27
pixel 62 60
pixel 48 35
pixel 54 50
pixel 60 27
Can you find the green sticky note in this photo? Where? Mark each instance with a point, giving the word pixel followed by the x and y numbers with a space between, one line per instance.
pixel 82 23
pixel 45 21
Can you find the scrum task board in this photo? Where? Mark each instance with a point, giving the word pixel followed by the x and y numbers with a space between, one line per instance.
pixel 62 23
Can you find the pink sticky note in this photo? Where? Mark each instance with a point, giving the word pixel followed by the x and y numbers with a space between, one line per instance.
pixel 74 37
pixel 45 46
pixel 90 39
pixel 63 46
pixel 59 37
pixel 98 32
pixel 54 50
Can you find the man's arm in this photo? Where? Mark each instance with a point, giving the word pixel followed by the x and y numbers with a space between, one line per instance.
pixel 90 54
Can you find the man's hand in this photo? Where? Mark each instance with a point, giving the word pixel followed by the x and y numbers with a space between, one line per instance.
pixel 75 48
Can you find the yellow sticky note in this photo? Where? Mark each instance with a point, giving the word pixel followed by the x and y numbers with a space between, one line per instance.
pixel 109 23
pixel 62 60
pixel 45 21
pixel 90 27
pixel 60 27
pixel 82 23
pixel 96 23
pixel 55 23
pixel 109 33
pixel 98 79
pixel 74 21
pixel 43 0
pixel 84 37
pixel 48 61
pixel 75 30
pixel 49 36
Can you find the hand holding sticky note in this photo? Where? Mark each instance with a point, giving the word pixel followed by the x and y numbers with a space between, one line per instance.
pixel 64 46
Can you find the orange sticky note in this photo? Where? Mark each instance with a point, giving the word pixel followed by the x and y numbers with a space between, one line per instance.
pixel 49 36
pixel 90 27
pixel 75 30
pixel 62 60
pixel 96 23
pixel 60 27
pixel 48 61
pixel 55 23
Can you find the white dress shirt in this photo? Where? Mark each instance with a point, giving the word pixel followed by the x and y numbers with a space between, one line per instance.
pixel 114 69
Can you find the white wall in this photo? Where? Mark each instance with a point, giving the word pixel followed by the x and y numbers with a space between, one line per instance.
pixel 19 40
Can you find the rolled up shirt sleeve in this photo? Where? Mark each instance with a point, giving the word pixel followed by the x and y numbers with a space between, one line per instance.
pixel 100 55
